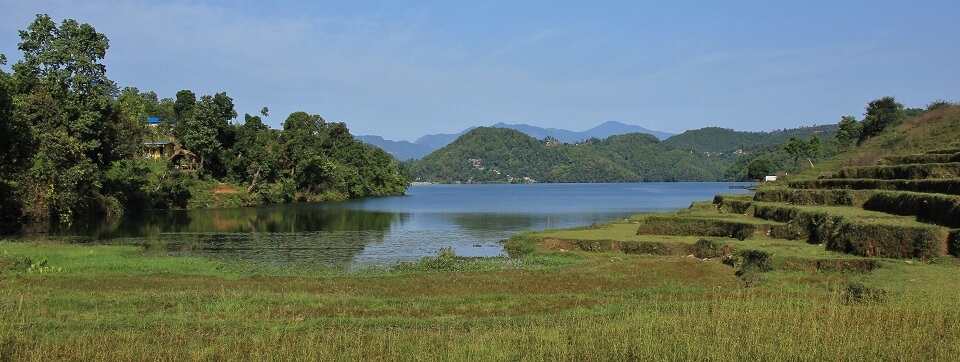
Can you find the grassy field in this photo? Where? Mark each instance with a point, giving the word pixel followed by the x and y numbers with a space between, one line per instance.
pixel 111 302
pixel 790 274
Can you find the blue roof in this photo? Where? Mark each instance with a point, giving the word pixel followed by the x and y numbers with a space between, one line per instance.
pixel 153 120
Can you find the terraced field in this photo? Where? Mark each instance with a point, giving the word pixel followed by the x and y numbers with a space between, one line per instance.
pixel 908 211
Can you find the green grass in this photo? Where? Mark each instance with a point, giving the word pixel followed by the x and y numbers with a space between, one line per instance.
pixel 590 306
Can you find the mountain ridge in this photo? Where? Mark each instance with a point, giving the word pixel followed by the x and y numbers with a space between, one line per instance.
pixel 404 150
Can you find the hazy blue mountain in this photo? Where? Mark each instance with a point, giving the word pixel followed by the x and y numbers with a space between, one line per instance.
pixel 613 128
pixel 439 140
pixel 401 150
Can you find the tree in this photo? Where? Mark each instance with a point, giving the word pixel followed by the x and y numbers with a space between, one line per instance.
pixel 848 130
pixel 805 149
pixel 302 138
pixel 203 127
pixel 881 113
pixel 256 153
pixel 72 126
pixel 938 104
pixel 185 103
pixel 758 169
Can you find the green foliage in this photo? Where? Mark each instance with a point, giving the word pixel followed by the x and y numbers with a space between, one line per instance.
pixel 669 225
pixel 938 209
pixel 940 186
pixel 722 140
pixel 706 248
pixel 954 242
pixel 71 144
pixel 938 104
pixel 203 127
pixel 947 157
pixel 881 113
pixel 806 149
pixel 324 159
pixel 497 155
pixel 904 171
pixel 859 293
pixel 758 169
pixel 848 130
pixel 813 197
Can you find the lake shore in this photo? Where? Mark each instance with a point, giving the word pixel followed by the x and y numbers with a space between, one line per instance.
pixel 98 302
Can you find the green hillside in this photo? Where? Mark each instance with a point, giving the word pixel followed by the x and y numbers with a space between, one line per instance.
pixel 498 155
pixel 724 140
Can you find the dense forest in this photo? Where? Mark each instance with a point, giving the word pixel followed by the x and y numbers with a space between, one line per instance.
pixel 73 144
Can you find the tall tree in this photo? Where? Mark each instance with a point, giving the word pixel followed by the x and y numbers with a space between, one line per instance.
pixel 204 127
pixel 881 113
pixel 805 149
pixel 848 130
pixel 75 126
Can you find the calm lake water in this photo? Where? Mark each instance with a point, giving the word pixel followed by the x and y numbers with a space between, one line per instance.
pixel 471 219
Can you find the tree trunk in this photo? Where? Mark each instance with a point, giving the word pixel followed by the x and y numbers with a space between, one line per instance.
pixel 256 177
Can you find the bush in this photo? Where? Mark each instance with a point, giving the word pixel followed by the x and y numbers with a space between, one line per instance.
pixel 906 172
pixel 666 225
pixel 921 158
pixel 858 293
pixel 520 244
pixel 933 208
pixel 938 186
pixel 750 264
pixel 954 243
pixel 887 241
pixel 706 248
pixel 813 196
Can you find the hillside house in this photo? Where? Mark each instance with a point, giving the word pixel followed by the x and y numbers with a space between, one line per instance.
pixel 158 150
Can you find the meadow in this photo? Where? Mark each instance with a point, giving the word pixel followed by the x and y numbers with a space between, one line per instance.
pixel 111 302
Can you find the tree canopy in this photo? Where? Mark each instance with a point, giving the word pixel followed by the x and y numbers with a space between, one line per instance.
pixel 72 144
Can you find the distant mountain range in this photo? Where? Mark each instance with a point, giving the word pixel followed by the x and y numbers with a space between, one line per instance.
pixel 404 150
pixel 401 150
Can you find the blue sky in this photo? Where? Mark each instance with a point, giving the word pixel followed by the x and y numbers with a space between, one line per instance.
pixel 402 69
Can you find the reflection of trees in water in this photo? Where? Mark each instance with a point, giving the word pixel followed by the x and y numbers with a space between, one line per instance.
pixel 282 218
pixel 486 221
pixel 302 248
pixel 278 234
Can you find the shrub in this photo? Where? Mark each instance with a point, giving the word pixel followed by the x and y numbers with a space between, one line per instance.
pixel 933 208
pixel 910 171
pixel 954 242
pixel 661 225
pixel 887 241
pixel 813 196
pixel 520 244
pixel 750 264
pixel 706 248
pixel 939 186
pixel 921 158
pixel 858 293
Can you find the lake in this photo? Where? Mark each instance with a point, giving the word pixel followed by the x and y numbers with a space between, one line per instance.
pixel 470 219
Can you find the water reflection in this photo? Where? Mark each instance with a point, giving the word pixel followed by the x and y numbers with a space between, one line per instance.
pixel 383 231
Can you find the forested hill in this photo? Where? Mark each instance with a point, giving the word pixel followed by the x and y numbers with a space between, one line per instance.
pixel 716 139
pixel 505 155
